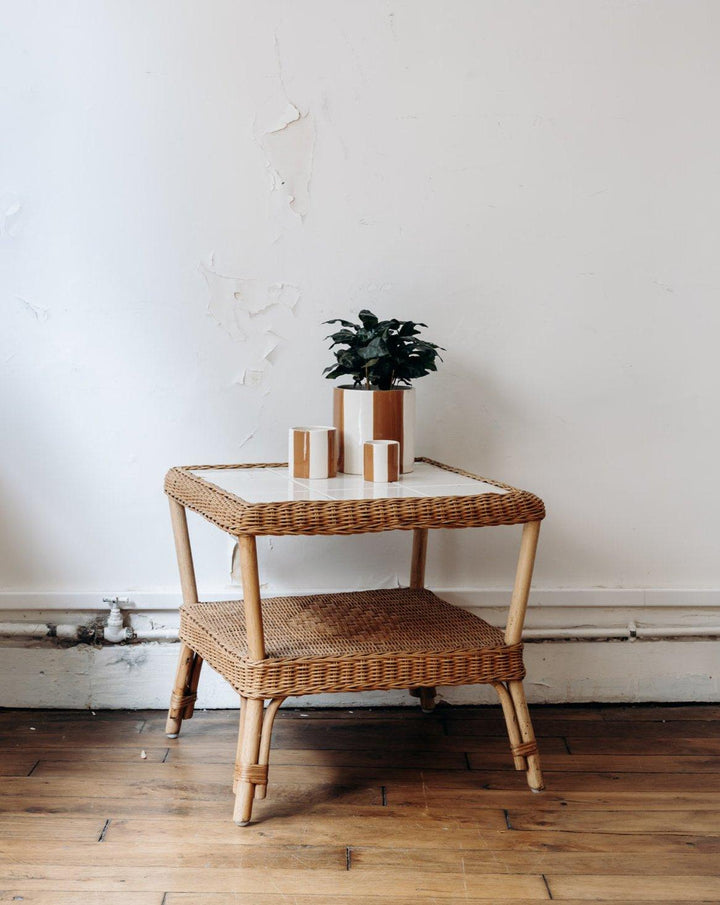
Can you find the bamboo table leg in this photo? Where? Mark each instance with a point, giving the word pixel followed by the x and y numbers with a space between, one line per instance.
pixel 249 770
pixel 515 709
pixel 419 558
pixel 417 580
pixel 529 748
pixel 184 693
pixel 513 730
pixel 182 701
pixel 264 755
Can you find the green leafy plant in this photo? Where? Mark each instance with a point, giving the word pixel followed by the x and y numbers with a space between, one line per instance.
pixel 380 354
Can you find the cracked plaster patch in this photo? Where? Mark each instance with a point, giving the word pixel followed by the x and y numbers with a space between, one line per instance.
pixel 37 311
pixel 286 136
pixel 289 148
pixel 10 214
pixel 255 313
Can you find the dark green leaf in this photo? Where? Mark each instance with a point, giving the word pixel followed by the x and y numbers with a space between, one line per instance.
pixel 381 353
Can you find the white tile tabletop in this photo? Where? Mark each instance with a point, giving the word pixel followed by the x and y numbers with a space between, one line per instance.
pixel 274 485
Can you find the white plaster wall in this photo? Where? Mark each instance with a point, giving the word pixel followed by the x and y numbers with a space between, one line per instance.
pixel 536 179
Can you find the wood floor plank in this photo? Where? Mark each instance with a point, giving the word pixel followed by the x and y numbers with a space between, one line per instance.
pixel 106 733
pixel 654 712
pixel 17 764
pixel 495 886
pixel 319 733
pixel 157 854
pixel 517 862
pixel 671 745
pixel 34 827
pixel 598 729
pixel 681 771
pixel 172 802
pixel 211 752
pixel 222 750
pixel 196 782
pixel 522 798
pixel 13 719
pixel 180 898
pixel 631 889
pixel 562 774
pixel 595 712
pixel 85 755
pixel 27 896
pixel 618 822
pixel 362 827
pixel 555 781
pixel 610 763
pixel 222 761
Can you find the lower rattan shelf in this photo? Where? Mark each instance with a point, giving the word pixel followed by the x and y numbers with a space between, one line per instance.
pixel 357 641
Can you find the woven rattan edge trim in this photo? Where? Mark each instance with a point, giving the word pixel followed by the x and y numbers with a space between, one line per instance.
pixel 260 687
pixel 468 474
pixel 295 517
pixel 366 658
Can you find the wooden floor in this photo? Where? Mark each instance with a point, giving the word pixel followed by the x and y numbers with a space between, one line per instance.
pixel 364 806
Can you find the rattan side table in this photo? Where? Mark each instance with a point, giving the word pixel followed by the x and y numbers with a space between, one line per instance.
pixel 359 641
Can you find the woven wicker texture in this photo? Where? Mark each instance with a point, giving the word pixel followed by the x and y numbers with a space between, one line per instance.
pixel 236 516
pixel 358 641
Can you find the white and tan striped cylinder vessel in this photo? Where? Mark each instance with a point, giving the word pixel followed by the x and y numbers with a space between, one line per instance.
pixel 381 460
pixel 361 415
pixel 312 452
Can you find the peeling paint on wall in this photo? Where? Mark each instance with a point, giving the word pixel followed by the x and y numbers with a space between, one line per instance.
pixel 288 144
pixel 256 297
pixel 37 311
pixel 286 136
pixel 10 213
pixel 255 313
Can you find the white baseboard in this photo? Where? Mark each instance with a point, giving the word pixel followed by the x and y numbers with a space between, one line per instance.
pixel 141 676
pixel 45 674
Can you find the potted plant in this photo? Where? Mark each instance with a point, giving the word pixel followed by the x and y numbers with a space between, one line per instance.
pixel 382 357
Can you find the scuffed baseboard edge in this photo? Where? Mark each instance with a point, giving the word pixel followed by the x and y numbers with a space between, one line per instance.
pixel 141 676
pixel 40 674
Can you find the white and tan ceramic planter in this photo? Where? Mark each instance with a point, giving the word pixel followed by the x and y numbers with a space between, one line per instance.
pixel 360 415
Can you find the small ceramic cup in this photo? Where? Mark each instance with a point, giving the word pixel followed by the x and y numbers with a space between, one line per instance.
pixel 312 452
pixel 381 460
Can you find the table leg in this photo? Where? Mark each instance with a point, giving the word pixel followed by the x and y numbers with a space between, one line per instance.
pixel 248 771
pixel 419 557
pixel 243 711
pixel 264 756
pixel 511 722
pixel 427 697
pixel 417 581
pixel 184 693
pixel 529 748
pixel 515 707
pixel 182 700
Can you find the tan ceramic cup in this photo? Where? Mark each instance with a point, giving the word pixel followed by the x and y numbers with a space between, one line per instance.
pixel 312 452
pixel 381 460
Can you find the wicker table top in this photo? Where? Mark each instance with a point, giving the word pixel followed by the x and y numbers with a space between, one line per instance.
pixel 262 499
